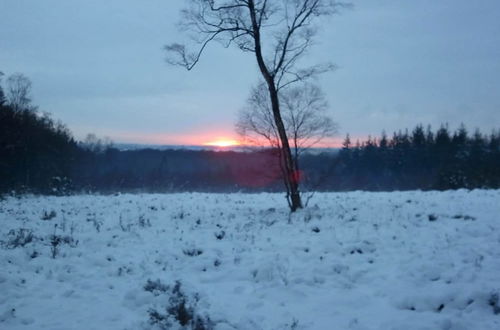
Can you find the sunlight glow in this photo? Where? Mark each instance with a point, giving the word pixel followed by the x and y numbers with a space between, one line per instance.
pixel 223 143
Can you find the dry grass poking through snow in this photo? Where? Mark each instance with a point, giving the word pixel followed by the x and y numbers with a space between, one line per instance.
pixel 402 260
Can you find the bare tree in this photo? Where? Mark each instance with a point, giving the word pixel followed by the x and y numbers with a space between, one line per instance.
pixel 278 32
pixel 95 144
pixel 304 111
pixel 18 92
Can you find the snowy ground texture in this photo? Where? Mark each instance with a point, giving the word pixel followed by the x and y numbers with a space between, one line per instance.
pixel 411 260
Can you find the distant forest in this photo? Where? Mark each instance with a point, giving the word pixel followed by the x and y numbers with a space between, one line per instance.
pixel 40 155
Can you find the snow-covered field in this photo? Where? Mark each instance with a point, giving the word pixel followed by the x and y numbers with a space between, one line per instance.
pixel 410 260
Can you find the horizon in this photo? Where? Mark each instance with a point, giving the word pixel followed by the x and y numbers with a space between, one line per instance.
pixel 122 146
pixel 335 143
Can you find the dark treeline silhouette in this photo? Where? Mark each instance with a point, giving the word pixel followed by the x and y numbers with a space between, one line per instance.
pixel 45 159
pixel 422 159
pixel 40 155
pixel 176 170
pixel 36 153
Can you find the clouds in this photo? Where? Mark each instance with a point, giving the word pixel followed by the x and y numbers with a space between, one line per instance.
pixel 98 65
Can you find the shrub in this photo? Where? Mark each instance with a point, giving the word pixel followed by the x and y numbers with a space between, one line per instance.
pixel 18 238
pixel 57 240
pixel 192 252
pixel 49 215
pixel 181 309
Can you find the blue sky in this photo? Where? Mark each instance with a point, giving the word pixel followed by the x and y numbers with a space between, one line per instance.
pixel 99 67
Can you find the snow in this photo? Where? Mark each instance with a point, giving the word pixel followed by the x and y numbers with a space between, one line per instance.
pixel 358 260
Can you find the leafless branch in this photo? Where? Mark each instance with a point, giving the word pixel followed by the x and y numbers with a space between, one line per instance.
pixel 279 33
pixel 304 111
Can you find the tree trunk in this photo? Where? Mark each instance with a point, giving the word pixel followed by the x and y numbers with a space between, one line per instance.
pixel 290 168
pixel 290 174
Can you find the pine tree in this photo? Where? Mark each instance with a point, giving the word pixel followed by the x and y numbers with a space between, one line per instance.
pixel 429 136
pixel 2 94
pixel 418 137
pixel 347 142
pixel 384 143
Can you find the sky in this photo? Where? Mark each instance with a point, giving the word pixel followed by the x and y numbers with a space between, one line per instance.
pixel 99 67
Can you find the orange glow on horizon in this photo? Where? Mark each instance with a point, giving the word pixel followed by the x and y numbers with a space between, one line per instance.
pixel 223 143
pixel 219 139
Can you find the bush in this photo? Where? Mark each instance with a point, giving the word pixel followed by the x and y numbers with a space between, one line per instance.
pixel 18 238
pixel 181 309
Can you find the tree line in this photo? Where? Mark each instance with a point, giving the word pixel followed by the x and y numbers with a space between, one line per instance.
pixel 420 159
pixel 36 152
pixel 40 155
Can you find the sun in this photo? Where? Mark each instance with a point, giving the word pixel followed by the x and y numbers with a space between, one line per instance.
pixel 223 143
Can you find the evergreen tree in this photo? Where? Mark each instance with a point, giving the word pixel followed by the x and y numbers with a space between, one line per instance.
pixel 384 143
pixel 418 137
pixel 429 136
pixel 2 94
pixel 423 160
pixel 347 142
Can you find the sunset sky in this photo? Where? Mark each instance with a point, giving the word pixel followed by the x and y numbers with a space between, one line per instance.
pixel 99 67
